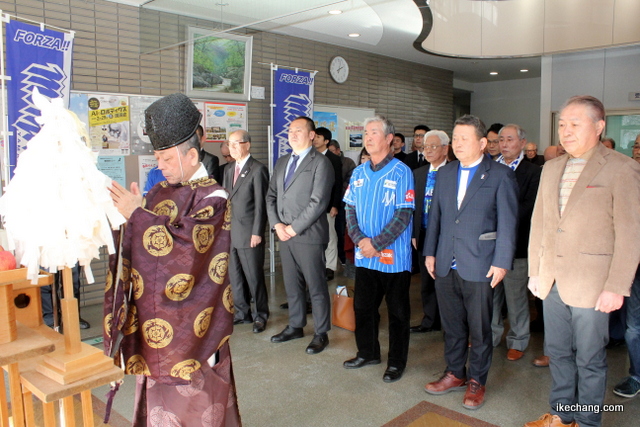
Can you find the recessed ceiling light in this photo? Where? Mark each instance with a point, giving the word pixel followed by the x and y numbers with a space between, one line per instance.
pixel 354 35
pixel 524 70
pixel 335 12
pixel 494 73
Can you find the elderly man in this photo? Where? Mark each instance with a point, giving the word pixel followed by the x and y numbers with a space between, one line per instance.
pixel 469 246
pixel 415 159
pixel 297 199
pixel 610 143
pixel 246 180
pixel 173 318
pixel 514 286
pixel 531 154
pixel 583 255
pixel 435 150
pixel 380 201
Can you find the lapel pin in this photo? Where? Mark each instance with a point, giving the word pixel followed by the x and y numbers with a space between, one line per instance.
pixel 482 176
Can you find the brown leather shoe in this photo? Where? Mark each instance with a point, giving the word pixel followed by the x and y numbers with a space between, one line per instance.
pixel 541 362
pixel 474 396
pixel 548 420
pixel 448 382
pixel 514 354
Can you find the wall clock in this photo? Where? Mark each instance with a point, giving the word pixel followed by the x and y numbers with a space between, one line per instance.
pixel 339 69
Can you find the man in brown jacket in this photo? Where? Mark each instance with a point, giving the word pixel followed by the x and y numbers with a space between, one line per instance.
pixel 583 253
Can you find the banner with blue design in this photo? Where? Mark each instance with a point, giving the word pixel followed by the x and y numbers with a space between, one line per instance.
pixel 36 57
pixel 292 97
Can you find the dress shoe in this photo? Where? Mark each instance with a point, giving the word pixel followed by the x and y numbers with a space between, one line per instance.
pixel 288 334
pixel 447 383
pixel 392 374
pixel 84 324
pixel 240 321
pixel 628 387
pixel 258 326
pixel 514 354
pixel 474 396
pixel 419 329
pixel 548 420
pixel 284 306
pixel 329 274
pixel 359 362
pixel 541 362
pixel 318 343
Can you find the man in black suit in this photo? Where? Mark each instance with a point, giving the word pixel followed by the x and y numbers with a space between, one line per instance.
pixel 531 154
pixel 415 159
pixel 468 252
pixel 210 161
pixel 297 199
pixel 435 148
pixel 398 147
pixel 514 286
pixel 246 180
pixel 322 138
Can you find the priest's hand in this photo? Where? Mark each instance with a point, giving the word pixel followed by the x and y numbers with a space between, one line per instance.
pixel 124 200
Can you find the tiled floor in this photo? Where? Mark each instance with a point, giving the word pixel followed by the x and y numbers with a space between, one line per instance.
pixel 281 385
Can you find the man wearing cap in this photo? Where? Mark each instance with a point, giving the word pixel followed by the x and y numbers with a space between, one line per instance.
pixel 168 306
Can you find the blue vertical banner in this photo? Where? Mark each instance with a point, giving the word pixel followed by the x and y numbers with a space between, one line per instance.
pixel 292 97
pixel 36 57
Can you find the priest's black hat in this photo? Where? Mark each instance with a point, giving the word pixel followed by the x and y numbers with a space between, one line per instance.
pixel 171 121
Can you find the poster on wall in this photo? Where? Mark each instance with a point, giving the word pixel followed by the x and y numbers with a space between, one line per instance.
pixel 140 143
pixel 145 164
pixel 36 57
pixel 222 118
pixel 109 124
pixel 326 120
pixel 353 134
pixel 113 167
pixel 292 97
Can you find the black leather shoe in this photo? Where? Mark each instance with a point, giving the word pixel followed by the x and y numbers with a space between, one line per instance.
pixel 359 362
pixel 392 374
pixel 284 305
pixel 318 343
pixel 240 321
pixel 421 329
pixel 288 334
pixel 84 324
pixel 258 326
pixel 329 274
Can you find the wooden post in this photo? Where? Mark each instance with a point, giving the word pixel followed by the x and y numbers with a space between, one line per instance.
pixel 29 416
pixel 15 388
pixel 87 408
pixel 48 414
pixel 68 411
pixel 70 315
pixel 4 408
pixel 7 315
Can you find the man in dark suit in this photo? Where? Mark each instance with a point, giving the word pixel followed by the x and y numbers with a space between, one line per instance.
pixel 514 286
pixel 531 154
pixel 210 161
pixel 322 138
pixel 435 148
pixel 246 180
pixel 468 252
pixel 415 159
pixel 297 199
pixel 398 147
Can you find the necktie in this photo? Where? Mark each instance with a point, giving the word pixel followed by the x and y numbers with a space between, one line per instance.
pixel 420 159
pixel 291 171
pixel 236 174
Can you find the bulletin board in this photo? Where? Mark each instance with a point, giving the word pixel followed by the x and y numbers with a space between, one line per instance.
pixel 349 125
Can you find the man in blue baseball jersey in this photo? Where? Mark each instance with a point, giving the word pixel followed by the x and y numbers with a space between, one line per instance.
pixel 379 205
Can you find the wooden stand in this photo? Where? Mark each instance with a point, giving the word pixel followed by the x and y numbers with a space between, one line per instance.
pixel 75 360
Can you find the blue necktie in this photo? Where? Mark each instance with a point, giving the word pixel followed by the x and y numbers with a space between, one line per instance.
pixel 291 171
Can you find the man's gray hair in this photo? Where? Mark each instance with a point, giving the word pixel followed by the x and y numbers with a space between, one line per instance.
pixel 521 133
pixel 387 126
pixel 442 135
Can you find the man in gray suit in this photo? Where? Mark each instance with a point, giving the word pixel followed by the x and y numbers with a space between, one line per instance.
pixel 246 180
pixel 297 199
pixel 468 252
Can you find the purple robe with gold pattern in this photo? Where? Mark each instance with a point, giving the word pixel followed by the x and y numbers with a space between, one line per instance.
pixel 171 305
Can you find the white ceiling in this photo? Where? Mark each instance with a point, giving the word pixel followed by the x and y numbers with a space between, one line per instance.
pixel 386 27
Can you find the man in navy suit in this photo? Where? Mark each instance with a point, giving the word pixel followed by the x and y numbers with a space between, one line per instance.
pixel 469 246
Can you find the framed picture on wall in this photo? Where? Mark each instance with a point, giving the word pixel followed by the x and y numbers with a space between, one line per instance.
pixel 218 65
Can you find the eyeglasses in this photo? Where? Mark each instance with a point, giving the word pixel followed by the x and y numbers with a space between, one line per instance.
pixel 432 147
pixel 419 135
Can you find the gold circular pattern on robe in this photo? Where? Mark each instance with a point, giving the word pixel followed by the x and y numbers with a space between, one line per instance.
pixel 222 341
pixel 138 283
pixel 185 368
pixel 203 237
pixel 126 265
pixel 132 323
pixel 107 323
pixel 109 282
pixel 227 299
pixel 179 287
pixel 157 240
pixel 218 267
pixel 204 213
pixel 227 217
pixel 157 333
pixel 168 208
pixel 202 322
pixel 136 365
